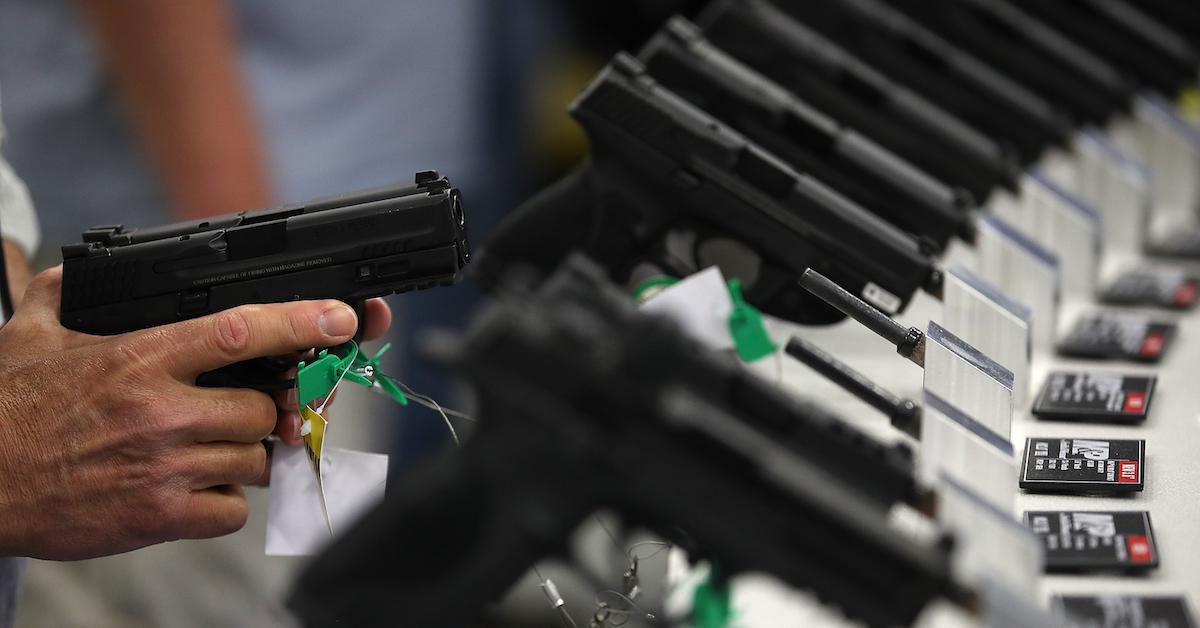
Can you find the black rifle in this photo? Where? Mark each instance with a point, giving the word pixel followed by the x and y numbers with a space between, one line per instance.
pixel 841 85
pixel 351 248
pixel 683 61
pixel 949 76
pixel 584 408
pixel 660 166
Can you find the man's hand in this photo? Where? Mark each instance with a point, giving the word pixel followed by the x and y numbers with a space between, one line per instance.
pixel 107 445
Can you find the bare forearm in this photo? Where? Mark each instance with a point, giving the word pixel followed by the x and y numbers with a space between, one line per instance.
pixel 175 65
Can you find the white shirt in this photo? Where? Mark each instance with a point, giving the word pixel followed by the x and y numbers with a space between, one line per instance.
pixel 18 222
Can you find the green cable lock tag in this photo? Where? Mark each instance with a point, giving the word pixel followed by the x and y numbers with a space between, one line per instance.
pixel 650 288
pixel 382 380
pixel 746 325
pixel 712 605
pixel 317 379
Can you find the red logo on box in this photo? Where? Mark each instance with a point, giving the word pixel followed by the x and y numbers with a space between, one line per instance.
pixel 1139 549
pixel 1152 344
pixel 1135 402
pixel 1128 471
pixel 1186 294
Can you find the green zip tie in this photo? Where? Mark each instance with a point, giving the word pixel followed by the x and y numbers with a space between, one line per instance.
pixel 652 286
pixel 392 390
pixel 316 380
pixel 712 606
pixel 384 382
pixel 746 325
pixel 345 362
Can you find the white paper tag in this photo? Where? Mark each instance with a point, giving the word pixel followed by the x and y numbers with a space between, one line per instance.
pixel 1170 149
pixel 969 380
pixel 967 420
pixel 354 481
pixel 1058 221
pixel 992 546
pixel 700 305
pixel 1061 166
pixel 1024 270
pixel 957 446
pixel 1118 186
pixel 994 323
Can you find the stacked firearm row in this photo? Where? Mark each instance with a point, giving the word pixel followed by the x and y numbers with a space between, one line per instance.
pixel 1016 161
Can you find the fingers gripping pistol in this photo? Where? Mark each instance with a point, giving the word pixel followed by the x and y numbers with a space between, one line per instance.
pixel 352 248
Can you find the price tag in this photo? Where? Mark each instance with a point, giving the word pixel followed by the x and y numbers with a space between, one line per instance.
pixel 1082 465
pixel 1119 337
pixel 1095 541
pixel 1095 397
pixel 1121 611
pixel 1170 288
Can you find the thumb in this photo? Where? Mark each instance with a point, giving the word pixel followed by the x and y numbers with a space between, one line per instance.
pixel 251 331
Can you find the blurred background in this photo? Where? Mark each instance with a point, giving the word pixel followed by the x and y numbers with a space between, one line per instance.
pixel 143 112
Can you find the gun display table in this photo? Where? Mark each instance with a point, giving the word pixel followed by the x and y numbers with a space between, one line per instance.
pixel 1170 432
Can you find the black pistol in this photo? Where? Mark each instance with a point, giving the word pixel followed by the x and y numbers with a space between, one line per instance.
pixel 1027 50
pixel 351 248
pixel 842 85
pixel 950 77
pixel 669 185
pixel 808 139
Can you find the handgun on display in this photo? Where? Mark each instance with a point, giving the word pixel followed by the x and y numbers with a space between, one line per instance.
pixel 669 185
pixel 350 248
pixel 807 139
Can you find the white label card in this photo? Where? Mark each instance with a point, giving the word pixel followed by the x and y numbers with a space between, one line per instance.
pixel 985 317
pixel 354 481
pixel 1170 149
pixel 1118 186
pixel 1026 271
pixel 992 545
pixel 968 380
pixel 956 446
pixel 1058 221
pixel 700 304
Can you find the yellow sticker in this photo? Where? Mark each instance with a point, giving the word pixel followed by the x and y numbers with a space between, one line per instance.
pixel 315 438
pixel 314 441
pixel 1189 103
